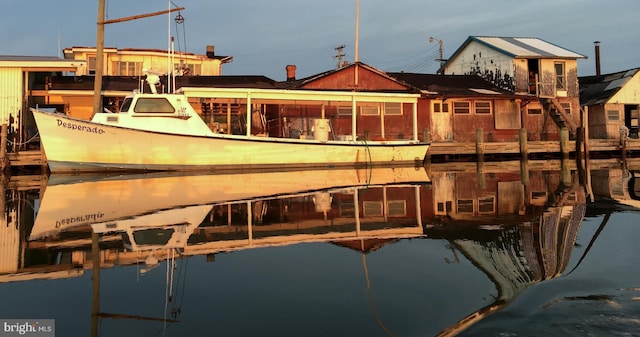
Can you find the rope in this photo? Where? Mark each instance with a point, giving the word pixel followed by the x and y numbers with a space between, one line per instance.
pixel 26 142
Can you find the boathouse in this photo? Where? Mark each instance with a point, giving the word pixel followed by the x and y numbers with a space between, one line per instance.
pixel 613 103
pixel 529 67
pixel 23 80
pixel 453 107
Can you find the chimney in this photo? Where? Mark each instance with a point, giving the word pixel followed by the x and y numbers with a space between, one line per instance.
pixel 211 51
pixel 291 72
pixel 597 46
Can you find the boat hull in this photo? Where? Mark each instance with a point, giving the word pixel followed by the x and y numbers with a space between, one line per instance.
pixel 72 145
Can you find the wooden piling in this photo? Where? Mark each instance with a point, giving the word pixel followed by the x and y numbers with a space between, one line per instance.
pixel 479 144
pixel 564 142
pixel 524 149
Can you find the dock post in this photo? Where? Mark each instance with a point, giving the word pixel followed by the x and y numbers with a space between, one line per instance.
pixel 479 144
pixel 524 149
pixel 564 141
pixel 4 161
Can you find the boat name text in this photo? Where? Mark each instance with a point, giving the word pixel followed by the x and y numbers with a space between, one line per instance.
pixel 79 219
pixel 79 127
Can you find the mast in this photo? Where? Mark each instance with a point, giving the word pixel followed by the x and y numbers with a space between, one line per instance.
pixel 97 84
pixel 356 58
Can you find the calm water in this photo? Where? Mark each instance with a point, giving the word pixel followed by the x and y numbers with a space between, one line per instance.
pixel 434 253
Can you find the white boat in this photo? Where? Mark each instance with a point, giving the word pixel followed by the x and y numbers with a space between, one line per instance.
pixel 163 132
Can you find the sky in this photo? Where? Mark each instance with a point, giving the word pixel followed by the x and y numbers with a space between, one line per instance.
pixel 264 36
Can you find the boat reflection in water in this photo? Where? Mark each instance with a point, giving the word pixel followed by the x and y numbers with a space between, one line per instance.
pixel 451 232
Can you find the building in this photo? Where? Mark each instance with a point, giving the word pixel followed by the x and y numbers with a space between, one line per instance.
pixel 525 66
pixel 132 61
pixel 613 103
pixel 22 81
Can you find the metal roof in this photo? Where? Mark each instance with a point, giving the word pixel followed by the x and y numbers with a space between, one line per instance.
pixel 526 47
pixel 599 89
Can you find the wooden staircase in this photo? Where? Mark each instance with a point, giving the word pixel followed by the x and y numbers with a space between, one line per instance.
pixel 560 115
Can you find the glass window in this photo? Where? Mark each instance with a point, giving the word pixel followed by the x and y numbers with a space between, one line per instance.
pixel 153 105
pixel 397 208
pixel 369 110
pixel 613 115
pixel 344 111
pixel 393 108
pixel 465 206
pixel 482 107
pixel 461 107
pixel 372 208
pixel 560 77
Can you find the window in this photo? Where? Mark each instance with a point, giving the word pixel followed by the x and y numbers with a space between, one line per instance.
pixel 613 115
pixel 397 208
pixel 153 105
pixel 486 205
pixel 566 107
pixel 344 111
pixel 465 206
pixel 443 208
pixel 393 108
pixel 91 65
pixel 560 77
pixel 372 208
pixel 482 107
pixel 347 210
pixel 369 110
pixel 130 68
pixel 534 111
pixel 461 107
pixel 441 107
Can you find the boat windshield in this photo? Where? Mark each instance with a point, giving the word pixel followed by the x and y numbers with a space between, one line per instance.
pixel 153 104
pixel 126 104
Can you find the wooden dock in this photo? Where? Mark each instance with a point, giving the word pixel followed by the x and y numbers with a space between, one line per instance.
pixel 443 152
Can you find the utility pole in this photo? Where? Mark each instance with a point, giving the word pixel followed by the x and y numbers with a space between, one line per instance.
pixel 440 59
pixel 340 56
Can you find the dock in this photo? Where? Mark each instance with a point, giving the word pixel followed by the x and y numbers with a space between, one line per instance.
pixel 34 160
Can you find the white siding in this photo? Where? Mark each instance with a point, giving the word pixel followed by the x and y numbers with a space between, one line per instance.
pixel 480 58
pixel 629 93
pixel 10 93
pixel 9 246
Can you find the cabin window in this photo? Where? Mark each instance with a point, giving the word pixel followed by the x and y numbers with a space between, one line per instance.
pixel 126 104
pixel 534 111
pixel 482 107
pixel 613 115
pixel 397 207
pixel 393 108
pixel 561 83
pixel 153 105
pixel 372 208
pixel 566 107
pixel 369 110
pixel 440 107
pixel 344 111
pixel 461 107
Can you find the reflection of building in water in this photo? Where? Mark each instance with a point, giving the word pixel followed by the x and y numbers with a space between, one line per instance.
pixel 535 242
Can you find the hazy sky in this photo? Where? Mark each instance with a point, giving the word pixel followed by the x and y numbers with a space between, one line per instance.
pixel 264 36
